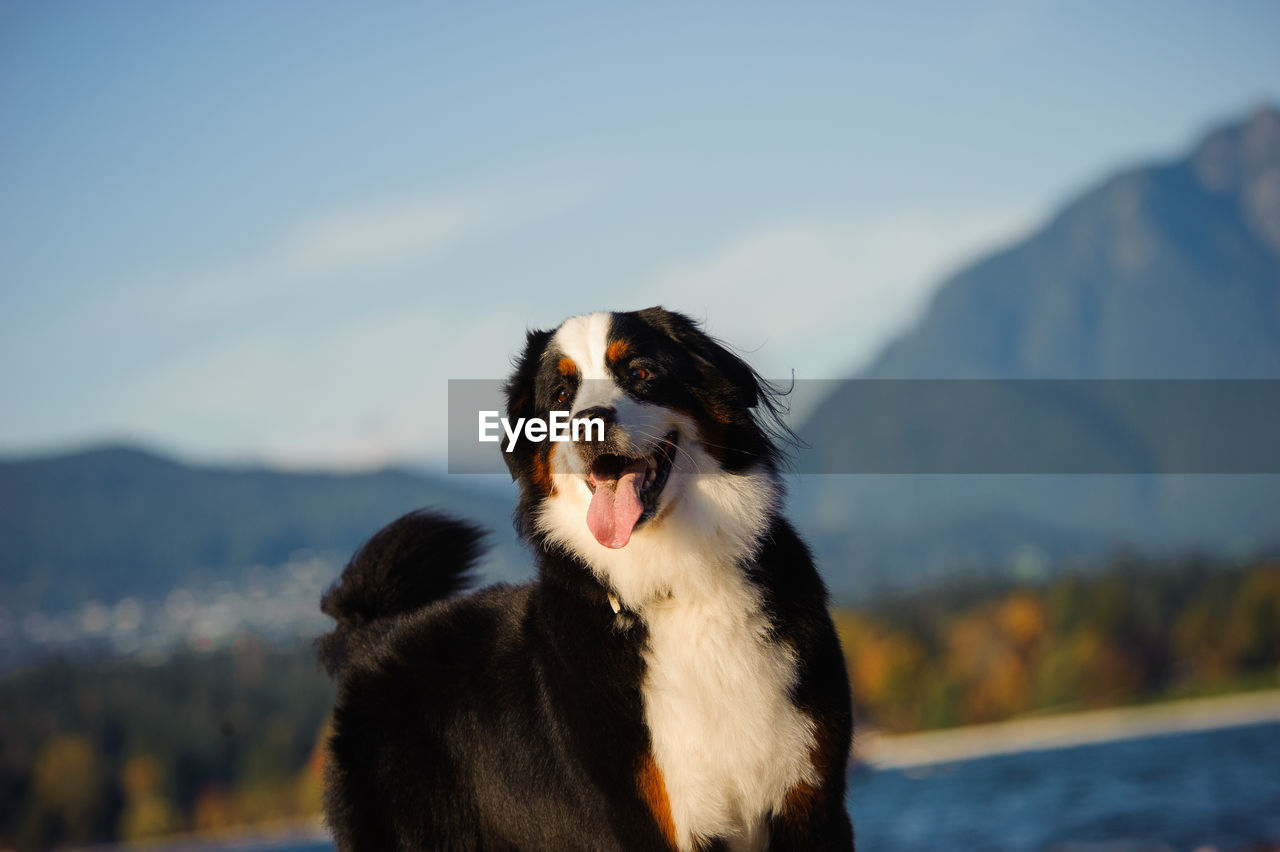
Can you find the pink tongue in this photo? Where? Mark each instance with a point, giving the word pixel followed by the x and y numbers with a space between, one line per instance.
pixel 615 505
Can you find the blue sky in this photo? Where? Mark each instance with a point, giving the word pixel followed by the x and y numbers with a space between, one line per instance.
pixel 273 231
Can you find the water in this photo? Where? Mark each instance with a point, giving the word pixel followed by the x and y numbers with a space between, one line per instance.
pixel 1217 789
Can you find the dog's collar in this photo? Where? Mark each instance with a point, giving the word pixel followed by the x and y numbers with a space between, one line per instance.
pixel 616 604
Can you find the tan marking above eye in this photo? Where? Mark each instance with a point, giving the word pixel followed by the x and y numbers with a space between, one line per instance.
pixel 617 350
pixel 566 367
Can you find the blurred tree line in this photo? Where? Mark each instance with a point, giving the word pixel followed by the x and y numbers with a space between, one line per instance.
pixel 96 750
pixel 1138 631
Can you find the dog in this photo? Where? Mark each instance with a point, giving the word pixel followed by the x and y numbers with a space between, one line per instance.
pixel 671 680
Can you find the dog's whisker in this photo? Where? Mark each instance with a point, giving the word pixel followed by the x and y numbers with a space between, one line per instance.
pixel 693 460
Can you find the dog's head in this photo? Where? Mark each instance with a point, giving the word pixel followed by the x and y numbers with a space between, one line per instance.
pixel 651 404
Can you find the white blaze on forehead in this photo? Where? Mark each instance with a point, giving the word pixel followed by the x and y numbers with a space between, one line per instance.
pixel 585 340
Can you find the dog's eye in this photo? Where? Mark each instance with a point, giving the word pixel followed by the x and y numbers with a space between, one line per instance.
pixel 639 374
pixel 562 396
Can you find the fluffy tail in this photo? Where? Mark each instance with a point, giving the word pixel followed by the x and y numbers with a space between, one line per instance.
pixel 419 558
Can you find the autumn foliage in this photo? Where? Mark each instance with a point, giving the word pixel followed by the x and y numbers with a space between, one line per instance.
pixel 1135 632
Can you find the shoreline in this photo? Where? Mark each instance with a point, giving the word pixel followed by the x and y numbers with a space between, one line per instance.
pixel 878 751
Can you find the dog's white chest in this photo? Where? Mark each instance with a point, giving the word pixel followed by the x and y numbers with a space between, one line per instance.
pixel 728 740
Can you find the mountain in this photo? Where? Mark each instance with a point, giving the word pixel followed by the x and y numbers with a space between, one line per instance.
pixel 118 521
pixel 1168 270
pixel 1163 271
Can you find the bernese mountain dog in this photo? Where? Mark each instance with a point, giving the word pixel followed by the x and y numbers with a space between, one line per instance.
pixel 670 681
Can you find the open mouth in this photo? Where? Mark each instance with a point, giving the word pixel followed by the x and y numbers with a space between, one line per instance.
pixel 625 491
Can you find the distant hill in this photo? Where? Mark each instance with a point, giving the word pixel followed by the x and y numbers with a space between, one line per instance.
pixel 1164 271
pixel 1170 270
pixel 118 521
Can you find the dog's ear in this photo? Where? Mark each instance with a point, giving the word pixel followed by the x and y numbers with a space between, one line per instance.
pixel 521 402
pixel 724 365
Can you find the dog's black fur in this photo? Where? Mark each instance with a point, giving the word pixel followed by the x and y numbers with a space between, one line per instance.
pixel 513 717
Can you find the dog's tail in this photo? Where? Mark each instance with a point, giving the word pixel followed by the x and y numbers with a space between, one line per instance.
pixel 419 558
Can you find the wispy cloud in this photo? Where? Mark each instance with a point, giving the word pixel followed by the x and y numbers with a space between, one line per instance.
pixel 349 245
pixel 368 392
pixel 822 296
pixel 224 357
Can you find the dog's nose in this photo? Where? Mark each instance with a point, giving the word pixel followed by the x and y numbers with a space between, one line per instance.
pixel 607 413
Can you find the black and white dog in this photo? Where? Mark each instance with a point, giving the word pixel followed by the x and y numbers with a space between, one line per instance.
pixel 671 680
